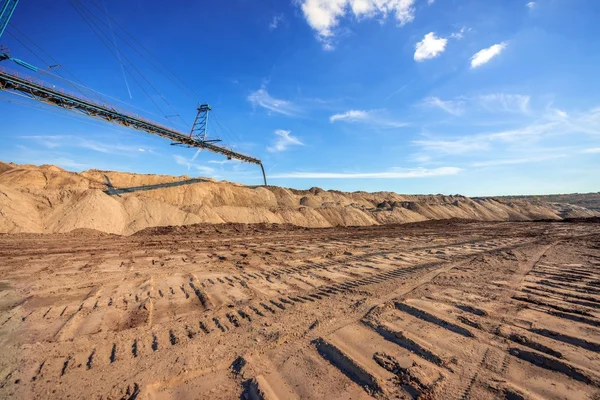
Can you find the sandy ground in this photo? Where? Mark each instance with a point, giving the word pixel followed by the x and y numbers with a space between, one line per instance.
pixel 48 199
pixel 434 310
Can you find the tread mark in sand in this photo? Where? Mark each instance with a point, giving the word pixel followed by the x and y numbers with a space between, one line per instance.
pixel 243 314
pixel 551 364
pixel 527 342
pixel 268 308
pixel 201 297
pixel 218 324
pixel 113 353
pixel 91 359
pixel 347 366
pixel 276 304
pixel 39 371
pixel 171 290
pixel 203 327
pixel 584 344
pixel 233 319
pixel 190 334
pixel 398 338
pixel 66 365
pixel 134 348
pixel 425 316
pixel 154 342
pixel 257 311
pixel 63 311
pixel 172 338
pixel 187 295
pixel 467 393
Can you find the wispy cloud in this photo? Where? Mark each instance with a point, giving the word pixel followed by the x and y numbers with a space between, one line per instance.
pixel 395 173
pixel 262 98
pixel 430 47
pixel 70 141
pixel 454 107
pixel 460 33
pixel 512 161
pixel 546 126
pixel 223 162
pixel 374 117
pixel 456 146
pixel 180 160
pixel 277 19
pixel 283 141
pixel 531 5
pixel 323 16
pixel 484 56
pixel 505 102
pixel 593 150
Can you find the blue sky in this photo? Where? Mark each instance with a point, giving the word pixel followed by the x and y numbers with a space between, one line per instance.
pixel 412 96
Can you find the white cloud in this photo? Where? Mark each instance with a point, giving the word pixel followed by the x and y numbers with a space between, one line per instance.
pixel 561 114
pixel 457 146
pixel 350 116
pixel 373 117
pixel 454 107
pixel 531 5
pixel 262 98
pixel 180 160
pixel 223 162
pixel 593 150
pixel 485 55
pixel 430 2
pixel 505 102
pixel 277 19
pixel 283 141
pixel 395 173
pixel 460 34
pixel 430 47
pixel 492 163
pixel 70 141
pixel 324 15
pixel 544 127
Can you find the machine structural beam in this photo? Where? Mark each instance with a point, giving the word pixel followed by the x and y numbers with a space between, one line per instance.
pixel 39 92
pixel 6 11
pixel 200 127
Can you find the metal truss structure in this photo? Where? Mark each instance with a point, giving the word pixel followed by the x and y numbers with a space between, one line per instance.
pixel 45 94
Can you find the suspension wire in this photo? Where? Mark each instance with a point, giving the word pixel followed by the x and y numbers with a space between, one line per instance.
pixel 53 110
pixel 92 15
pixel 63 68
pixel 99 34
pixel 119 56
pixel 37 56
pixel 236 137
pixel 161 117
pixel 216 120
pixel 185 88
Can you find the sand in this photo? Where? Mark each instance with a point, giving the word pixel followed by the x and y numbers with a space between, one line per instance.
pixel 48 199
pixel 430 310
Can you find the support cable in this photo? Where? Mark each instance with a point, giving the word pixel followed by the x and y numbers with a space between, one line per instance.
pixel 185 88
pixel 55 62
pixel 91 15
pixel 83 16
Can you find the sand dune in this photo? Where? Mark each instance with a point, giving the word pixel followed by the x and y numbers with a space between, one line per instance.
pixel 48 199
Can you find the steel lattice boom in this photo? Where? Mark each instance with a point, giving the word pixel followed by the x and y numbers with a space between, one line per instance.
pixel 40 92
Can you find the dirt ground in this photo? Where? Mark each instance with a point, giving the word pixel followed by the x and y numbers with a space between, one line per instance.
pixel 434 310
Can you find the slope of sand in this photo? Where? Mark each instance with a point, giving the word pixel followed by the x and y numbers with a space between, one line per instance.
pixel 48 199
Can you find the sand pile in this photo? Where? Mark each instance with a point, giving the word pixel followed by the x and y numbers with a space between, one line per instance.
pixel 51 200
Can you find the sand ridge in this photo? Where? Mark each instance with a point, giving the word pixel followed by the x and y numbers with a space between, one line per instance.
pixel 49 199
